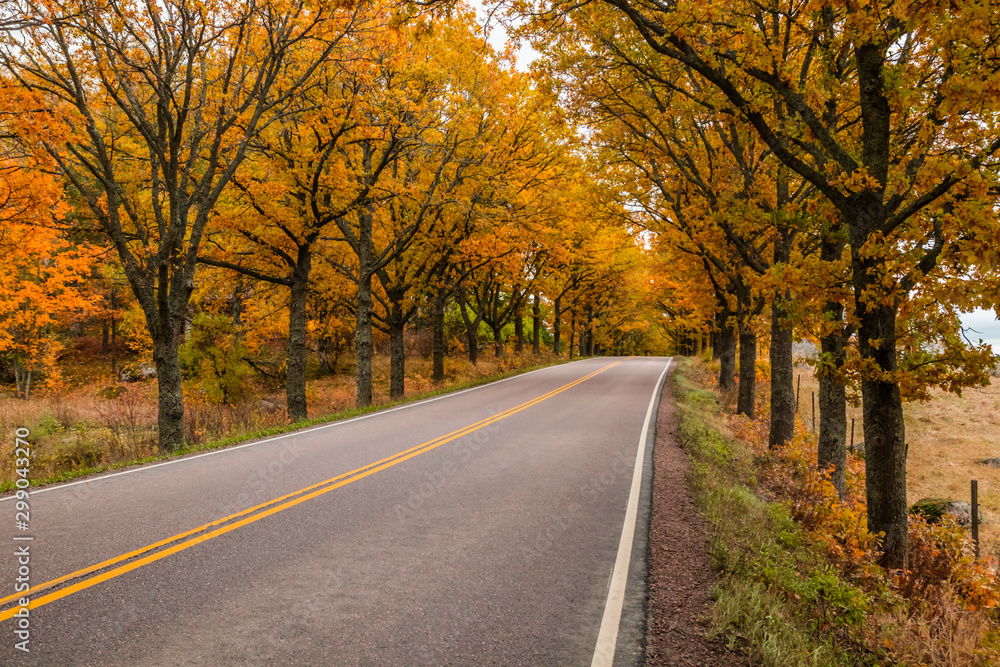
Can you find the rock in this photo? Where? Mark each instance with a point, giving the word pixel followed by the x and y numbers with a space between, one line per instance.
pixel 932 509
pixel 265 406
pixel 993 463
pixel 857 449
pixel 136 373
pixel 112 392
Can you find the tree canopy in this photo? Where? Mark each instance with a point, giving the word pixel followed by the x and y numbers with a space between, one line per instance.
pixel 236 177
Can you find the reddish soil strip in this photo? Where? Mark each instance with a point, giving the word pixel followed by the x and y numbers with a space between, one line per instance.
pixel 680 573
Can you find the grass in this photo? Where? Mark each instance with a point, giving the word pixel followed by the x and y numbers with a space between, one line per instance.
pixel 755 546
pixel 797 581
pixel 75 434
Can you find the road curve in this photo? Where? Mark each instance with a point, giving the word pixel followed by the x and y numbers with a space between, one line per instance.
pixel 479 528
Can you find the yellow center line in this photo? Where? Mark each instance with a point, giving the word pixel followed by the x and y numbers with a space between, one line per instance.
pixel 268 508
pixel 450 436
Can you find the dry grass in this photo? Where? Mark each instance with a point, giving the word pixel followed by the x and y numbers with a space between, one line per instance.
pixel 336 393
pixel 949 436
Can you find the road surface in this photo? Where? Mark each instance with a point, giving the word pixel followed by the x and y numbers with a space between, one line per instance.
pixel 478 528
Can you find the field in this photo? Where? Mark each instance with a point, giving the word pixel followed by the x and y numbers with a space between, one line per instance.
pixel 949 436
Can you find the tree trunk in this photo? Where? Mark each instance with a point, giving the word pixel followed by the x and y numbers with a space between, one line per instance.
pixel 472 339
pixel 321 358
pixel 22 379
pixel 590 331
pixel 882 407
pixel 437 323
pixel 885 444
pixel 114 347
pixel 746 400
pixel 295 361
pixel 397 355
pixel 18 381
pixel 114 337
pixel 105 332
pixel 363 341
pixel 832 453
pixel 471 327
pixel 572 333
pixel 498 340
pixel 363 319
pixel 536 325
pixel 169 381
pixel 780 355
pixel 782 375
pixel 518 330
pixel 557 313
pixel 832 449
pixel 727 353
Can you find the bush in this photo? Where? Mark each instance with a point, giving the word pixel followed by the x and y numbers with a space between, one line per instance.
pixel 213 357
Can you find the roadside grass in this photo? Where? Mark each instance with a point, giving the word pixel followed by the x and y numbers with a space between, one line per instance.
pixel 797 581
pixel 79 434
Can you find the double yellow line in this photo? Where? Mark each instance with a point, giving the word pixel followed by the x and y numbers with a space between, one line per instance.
pixel 171 545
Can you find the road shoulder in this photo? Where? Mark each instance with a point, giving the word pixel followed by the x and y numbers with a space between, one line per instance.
pixel 680 572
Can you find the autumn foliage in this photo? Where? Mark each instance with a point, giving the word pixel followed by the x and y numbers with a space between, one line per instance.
pixel 43 275
pixel 257 198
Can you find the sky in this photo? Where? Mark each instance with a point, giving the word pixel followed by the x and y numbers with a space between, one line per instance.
pixel 498 38
pixel 982 324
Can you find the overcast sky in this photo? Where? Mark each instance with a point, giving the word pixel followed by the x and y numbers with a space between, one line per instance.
pixel 498 39
pixel 982 324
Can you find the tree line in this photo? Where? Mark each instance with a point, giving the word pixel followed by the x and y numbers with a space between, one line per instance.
pixel 212 176
pixel 238 170
pixel 817 167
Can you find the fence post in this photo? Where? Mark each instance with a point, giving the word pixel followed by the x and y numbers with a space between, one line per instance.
pixel 814 410
pixel 975 516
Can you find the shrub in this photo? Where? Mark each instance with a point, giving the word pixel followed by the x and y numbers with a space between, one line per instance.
pixel 784 534
pixel 213 357
pixel 130 424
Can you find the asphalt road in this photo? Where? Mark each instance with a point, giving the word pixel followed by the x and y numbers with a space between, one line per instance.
pixel 479 528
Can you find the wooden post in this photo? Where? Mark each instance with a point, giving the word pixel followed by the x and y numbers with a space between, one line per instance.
pixel 975 516
pixel 814 410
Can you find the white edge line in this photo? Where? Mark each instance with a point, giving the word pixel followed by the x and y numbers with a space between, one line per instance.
pixel 607 638
pixel 332 424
